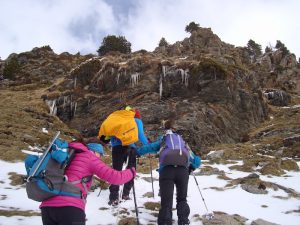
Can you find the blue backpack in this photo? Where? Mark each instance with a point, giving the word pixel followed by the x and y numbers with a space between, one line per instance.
pixel 174 151
pixel 46 174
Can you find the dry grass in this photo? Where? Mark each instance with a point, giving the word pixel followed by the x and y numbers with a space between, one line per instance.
pixel 17 212
pixel 154 206
pixel 23 115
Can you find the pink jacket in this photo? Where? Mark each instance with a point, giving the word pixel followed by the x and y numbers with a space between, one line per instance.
pixel 85 164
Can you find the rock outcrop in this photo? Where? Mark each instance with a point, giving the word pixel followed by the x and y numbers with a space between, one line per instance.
pixel 215 91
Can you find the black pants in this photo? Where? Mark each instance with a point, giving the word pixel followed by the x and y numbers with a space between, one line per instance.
pixel 119 157
pixel 169 176
pixel 67 215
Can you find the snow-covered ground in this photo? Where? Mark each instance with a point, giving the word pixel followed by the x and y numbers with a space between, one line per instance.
pixel 231 200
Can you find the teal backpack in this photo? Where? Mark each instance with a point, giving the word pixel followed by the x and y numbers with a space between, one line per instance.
pixel 46 174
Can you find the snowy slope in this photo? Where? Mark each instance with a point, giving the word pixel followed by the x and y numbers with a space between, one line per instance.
pixel 231 201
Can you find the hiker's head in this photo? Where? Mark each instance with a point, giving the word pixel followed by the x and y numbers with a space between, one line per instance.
pixel 95 147
pixel 104 139
pixel 137 114
pixel 169 124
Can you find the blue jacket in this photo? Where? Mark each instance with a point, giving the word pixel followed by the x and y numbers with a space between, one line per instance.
pixel 142 138
pixel 154 147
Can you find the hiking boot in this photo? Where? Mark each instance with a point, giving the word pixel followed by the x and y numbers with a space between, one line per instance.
pixel 126 197
pixel 186 222
pixel 113 202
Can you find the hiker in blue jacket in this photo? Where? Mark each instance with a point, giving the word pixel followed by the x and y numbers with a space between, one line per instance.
pixel 120 153
pixel 173 172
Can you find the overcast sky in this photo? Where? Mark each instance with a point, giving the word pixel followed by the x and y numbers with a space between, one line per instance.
pixel 80 25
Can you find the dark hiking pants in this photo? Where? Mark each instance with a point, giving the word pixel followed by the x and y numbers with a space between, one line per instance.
pixel 67 215
pixel 168 177
pixel 119 157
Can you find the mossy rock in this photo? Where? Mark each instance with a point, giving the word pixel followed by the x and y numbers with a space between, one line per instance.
pixel 16 179
pixel 15 212
pixel 244 168
pixel 292 151
pixel 272 169
pixel 154 206
pixel 127 221
pixel 289 165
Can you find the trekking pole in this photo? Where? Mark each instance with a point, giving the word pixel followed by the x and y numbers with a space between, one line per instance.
pixel 121 192
pixel 151 176
pixel 44 156
pixel 135 204
pixel 134 196
pixel 209 216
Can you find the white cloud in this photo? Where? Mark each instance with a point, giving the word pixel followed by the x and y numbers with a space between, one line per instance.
pixel 235 21
pixel 81 25
pixel 28 24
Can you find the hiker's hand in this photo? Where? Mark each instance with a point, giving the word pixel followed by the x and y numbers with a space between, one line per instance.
pixel 132 169
pixel 191 169
pixel 133 152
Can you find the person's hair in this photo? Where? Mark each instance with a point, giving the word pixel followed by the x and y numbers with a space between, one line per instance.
pixel 78 137
pixel 169 124
pixel 85 140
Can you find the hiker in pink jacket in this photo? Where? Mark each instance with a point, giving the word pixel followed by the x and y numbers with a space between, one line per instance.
pixel 66 210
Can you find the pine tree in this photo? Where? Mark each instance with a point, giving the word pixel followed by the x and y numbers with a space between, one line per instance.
pixel 254 48
pixel 11 68
pixel 163 42
pixel 280 46
pixel 268 49
pixel 192 27
pixel 113 43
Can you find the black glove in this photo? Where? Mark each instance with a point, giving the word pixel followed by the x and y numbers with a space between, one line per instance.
pixel 132 152
pixel 191 169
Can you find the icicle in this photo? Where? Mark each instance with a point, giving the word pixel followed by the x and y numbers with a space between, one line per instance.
pixel 160 86
pixel 54 113
pixel 71 106
pixel 134 79
pixel 186 77
pixel 281 95
pixel 118 77
pixel 75 107
pixel 65 101
pixel 181 71
pixel 52 107
pixel 164 70
pixel 75 82
pixel 71 109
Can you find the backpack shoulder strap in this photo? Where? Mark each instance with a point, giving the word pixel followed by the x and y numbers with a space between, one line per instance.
pixel 83 181
pixel 72 152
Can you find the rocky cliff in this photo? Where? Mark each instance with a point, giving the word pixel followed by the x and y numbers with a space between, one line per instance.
pixel 216 92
